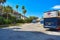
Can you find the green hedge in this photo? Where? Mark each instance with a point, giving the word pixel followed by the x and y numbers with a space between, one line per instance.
pixel 27 20
pixel 20 21
pixel 7 21
pixel 12 19
pixel 1 20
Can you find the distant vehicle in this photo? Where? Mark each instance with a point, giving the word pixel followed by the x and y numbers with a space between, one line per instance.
pixel 42 21
pixel 34 21
pixel 52 19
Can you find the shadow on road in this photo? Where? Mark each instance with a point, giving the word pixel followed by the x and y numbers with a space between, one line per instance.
pixel 2 26
pixel 53 30
pixel 8 34
pixel 15 28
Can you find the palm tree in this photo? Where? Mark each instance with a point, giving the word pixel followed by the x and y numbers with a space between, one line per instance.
pixel 8 10
pixel 17 7
pixel 23 7
pixel 24 10
pixel 2 1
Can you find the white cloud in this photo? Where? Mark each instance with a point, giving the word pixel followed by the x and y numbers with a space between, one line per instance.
pixel 56 7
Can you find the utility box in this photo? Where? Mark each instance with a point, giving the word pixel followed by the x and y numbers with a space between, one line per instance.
pixel 52 19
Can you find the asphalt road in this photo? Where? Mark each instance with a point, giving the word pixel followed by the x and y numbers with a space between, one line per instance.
pixel 31 31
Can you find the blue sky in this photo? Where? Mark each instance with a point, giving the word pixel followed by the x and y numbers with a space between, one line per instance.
pixel 34 7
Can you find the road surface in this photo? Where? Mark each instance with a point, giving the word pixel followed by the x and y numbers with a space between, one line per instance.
pixel 31 31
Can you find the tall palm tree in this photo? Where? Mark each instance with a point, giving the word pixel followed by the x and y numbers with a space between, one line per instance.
pixel 2 1
pixel 17 7
pixel 24 10
pixel 23 7
pixel 8 10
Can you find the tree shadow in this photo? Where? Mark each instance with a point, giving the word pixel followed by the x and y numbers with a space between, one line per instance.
pixel 1 26
pixel 15 28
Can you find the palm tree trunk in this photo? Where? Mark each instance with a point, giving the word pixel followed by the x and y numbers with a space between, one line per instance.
pixel 7 16
pixel 24 16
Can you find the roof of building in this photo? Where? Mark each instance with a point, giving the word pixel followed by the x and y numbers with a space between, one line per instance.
pixel 51 10
pixel 17 13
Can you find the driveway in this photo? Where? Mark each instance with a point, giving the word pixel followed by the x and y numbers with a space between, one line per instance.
pixel 30 31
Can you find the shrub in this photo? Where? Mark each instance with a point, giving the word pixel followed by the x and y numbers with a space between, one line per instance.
pixel 7 21
pixel 1 20
pixel 4 21
pixel 20 21
pixel 28 20
pixel 12 18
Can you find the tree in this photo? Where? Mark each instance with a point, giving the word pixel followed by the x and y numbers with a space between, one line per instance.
pixel 23 7
pixel 33 17
pixel 1 7
pixel 17 7
pixel 24 10
pixel 2 1
pixel 8 10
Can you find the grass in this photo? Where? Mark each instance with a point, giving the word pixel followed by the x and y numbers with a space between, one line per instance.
pixel 8 25
pixel 1 26
pixel 17 24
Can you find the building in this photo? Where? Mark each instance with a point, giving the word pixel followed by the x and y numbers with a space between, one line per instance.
pixel 18 15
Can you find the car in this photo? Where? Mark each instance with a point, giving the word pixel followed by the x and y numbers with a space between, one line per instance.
pixel 34 21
